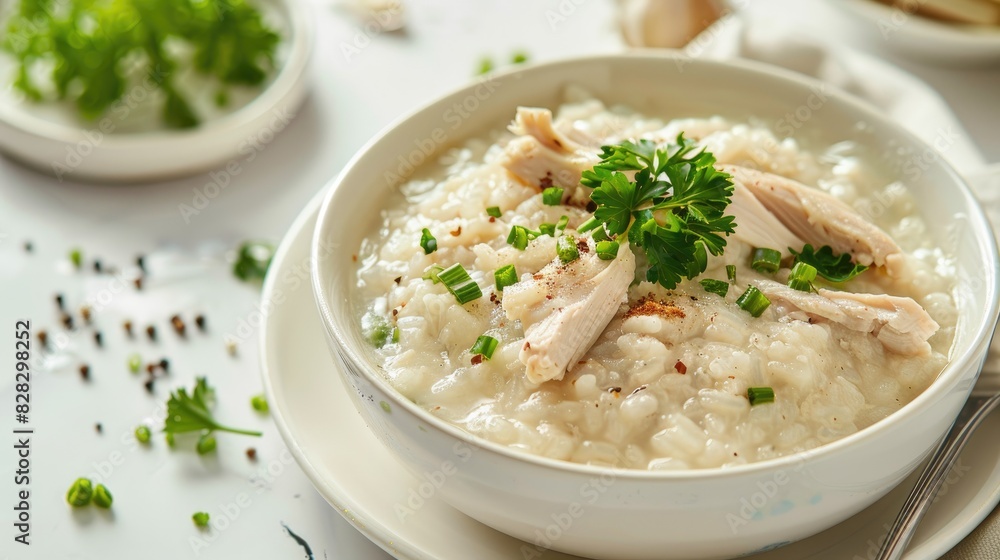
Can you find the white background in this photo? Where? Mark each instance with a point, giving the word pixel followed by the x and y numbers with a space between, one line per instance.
pixel 352 97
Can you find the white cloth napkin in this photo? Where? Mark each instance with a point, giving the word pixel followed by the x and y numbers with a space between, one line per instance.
pixel 900 95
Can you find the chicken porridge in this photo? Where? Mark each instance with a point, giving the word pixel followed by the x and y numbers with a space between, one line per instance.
pixel 605 288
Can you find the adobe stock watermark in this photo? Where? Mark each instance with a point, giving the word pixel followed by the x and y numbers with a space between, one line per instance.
pixel 117 114
pixel 564 10
pixel 104 469
pixel 917 164
pixel 453 117
pixel 699 45
pixel 753 504
pixel 294 277
pixel 902 10
pixel 249 149
pixel 431 482
pixel 588 494
pixel 384 20
pixel 872 546
pixel 225 514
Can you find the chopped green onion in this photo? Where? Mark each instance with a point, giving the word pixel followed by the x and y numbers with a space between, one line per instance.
pixel 505 276
pixel 169 438
pixel 259 403
pixel 520 57
pixel 552 196
pixel 134 363
pixel 494 211
pixel 753 301
pixel 766 260
pixel 802 277
pixel 76 257
pixel 562 223
pixel 760 395
pixel 200 519
pixel 713 286
pixel 102 497
pixel 566 249
pixel 547 229
pixel 588 225
pixel 484 346
pixel 731 272
pixel 206 444
pixel 428 242
pixel 395 335
pixel 607 250
pixel 460 284
pixel 518 237
pixel 142 434
pixel 80 493
pixel 432 273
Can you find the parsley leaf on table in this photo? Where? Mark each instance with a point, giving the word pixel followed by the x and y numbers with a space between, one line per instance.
pixel 673 208
pixel 190 412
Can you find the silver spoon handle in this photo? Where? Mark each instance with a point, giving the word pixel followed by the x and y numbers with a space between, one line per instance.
pixel 934 475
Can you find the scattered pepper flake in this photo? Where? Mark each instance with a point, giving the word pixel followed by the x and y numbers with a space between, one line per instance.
pixel 680 367
pixel 127 325
pixel 85 372
pixel 179 327
pixel 98 338
pixel 199 321
pixel 151 332
pixel 252 453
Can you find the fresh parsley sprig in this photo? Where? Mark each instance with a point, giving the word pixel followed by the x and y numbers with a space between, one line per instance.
pixel 674 207
pixel 835 268
pixel 190 412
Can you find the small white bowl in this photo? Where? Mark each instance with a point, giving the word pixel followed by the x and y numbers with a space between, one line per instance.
pixel 633 514
pixel 923 38
pixel 54 141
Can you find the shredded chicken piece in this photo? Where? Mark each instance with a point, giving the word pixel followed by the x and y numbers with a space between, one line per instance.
pixel 821 219
pixel 564 308
pixel 544 157
pixel 899 323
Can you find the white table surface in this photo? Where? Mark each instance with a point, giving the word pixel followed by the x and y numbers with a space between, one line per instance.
pixel 157 490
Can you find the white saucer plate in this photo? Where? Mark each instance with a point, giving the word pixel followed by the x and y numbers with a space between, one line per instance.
pixel 360 478
pixel 925 39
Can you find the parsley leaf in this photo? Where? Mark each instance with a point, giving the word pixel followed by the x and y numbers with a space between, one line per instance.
pixel 832 267
pixel 674 207
pixel 190 413
pixel 253 258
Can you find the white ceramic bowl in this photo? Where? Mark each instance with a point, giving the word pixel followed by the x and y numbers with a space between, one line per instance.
pixel 717 513
pixel 52 140
pixel 925 39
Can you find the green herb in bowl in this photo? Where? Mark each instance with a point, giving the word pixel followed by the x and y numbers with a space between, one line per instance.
pixel 91 52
